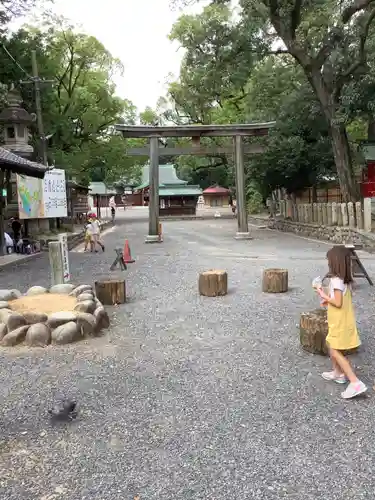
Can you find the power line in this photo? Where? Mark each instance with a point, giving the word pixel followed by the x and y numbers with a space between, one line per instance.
pixel 15 61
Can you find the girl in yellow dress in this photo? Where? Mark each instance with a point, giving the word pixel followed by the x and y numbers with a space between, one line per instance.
pixel 342 328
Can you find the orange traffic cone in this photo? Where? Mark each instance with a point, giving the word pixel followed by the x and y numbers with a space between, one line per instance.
pixel 127 254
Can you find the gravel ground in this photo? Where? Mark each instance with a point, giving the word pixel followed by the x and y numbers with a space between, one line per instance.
pixel 189 397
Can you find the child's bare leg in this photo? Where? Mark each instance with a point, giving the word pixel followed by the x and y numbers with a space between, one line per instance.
pixel 335 366
pixel 343 364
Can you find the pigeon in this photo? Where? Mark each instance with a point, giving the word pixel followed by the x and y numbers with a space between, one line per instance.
pixel 65 411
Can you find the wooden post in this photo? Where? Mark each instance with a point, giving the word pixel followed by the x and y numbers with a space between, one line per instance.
pixel 153 205
pixel 243 227
pixel 111 292
pixel 367 222
pixel 313 330
pixel 56 263
pixel 275 280
pixel 213 283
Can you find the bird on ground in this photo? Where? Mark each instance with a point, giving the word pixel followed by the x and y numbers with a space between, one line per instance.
pixel 65 411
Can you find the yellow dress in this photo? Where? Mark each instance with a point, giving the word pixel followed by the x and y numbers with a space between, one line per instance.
pixel 342 328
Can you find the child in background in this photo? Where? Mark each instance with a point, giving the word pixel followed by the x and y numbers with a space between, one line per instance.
pixel 95 234
pixel 342 328
pixel 88 236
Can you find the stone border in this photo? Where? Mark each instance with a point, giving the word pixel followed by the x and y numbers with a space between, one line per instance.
pixel 37 329
pixel 334 234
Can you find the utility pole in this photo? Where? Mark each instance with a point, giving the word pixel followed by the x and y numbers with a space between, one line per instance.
pixel 36 81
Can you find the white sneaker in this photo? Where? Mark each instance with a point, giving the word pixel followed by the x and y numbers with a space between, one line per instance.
pixel 354 390
pixel 332 376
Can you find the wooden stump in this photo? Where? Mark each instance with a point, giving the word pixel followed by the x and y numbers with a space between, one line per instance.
pixel 313 330
pixel 111 292
pixel 213 283
pixel 275 280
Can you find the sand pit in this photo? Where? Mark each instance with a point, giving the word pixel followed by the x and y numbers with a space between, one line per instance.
pixel 41 317
pixel 45 303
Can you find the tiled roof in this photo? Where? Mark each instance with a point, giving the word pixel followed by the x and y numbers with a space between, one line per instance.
pixel 167 175
pixel 19 165
pixel 101 189
pixel 180 191
pixel 216 190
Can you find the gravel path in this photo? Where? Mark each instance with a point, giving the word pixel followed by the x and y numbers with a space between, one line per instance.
pixel 189 397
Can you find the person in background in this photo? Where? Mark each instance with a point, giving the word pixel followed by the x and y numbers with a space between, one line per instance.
pixel 95 231
pixel 16 228
pixel 88 236
pixel 113 213
pixel 9 243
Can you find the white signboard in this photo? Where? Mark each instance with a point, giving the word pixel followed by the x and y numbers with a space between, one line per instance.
pixel 41 199
pixel 54 194
pixel 63 239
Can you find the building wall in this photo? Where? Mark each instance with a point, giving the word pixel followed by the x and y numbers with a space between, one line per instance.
pixel 216 200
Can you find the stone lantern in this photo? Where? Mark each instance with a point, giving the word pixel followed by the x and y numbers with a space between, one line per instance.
pixel 16 121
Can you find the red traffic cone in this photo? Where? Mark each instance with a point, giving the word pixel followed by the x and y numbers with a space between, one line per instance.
pixel 127 254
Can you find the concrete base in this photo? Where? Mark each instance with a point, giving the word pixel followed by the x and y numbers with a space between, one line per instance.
pixel 151 238
pixel 243 236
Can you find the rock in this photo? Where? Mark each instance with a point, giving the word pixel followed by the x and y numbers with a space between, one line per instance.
pixel 60 318
pixel 4 304
pixel 87 306
pixel 38 335
pixel 15 320
pixel 9 294
pixel 4 314
pixel 15 337
pixel 87 323
pixel 65 334
pixel 3 330
pixel 65 288
pixel 32 317
pixel 98 303
pixel 80 289
pixel 102 318
pixel 36 290
pixel 85 296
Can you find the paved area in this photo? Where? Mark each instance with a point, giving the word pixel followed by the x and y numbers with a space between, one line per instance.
pixel 189 397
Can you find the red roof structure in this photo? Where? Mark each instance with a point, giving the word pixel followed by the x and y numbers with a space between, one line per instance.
pixel 216 190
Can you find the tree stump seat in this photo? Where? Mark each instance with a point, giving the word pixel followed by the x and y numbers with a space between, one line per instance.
pixel 275 281
pixel 213 283
pixel 111 292
pixel 313 331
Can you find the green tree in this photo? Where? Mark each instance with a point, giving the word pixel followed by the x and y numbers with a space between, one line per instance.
pixel 328 40
pixel 81 108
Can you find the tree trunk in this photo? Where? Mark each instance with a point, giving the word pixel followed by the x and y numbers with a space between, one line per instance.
pixel 343 162
pixel 213 283
pixel 313 330
pixel 371 128
pixel 111 292
pixel 275 281
pixel 2 228
pixel 339 138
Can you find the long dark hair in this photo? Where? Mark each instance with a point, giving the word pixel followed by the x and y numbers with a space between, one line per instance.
pixel 339 263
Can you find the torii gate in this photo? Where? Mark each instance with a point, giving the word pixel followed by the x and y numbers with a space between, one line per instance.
pixel 195 132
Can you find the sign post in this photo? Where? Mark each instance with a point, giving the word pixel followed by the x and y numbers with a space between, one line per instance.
pixel 56 263
pixel 63 240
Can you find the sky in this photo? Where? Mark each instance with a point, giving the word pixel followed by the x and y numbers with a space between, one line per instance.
pixel 135 31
